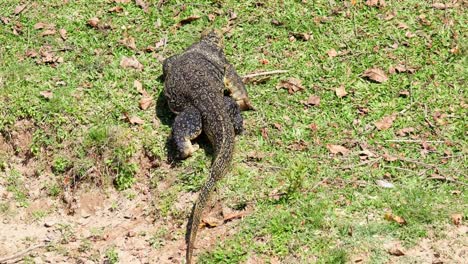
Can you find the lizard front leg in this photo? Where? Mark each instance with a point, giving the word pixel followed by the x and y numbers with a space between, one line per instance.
pixel 234 113
pixel 187 126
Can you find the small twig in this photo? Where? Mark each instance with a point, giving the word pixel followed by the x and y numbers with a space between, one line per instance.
pixel 443 178
pixel 22 253
pixel 351 166
pixel 399 168
pixel 413 141
pixel 263 73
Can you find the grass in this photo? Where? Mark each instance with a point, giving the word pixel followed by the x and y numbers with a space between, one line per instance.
pixel 325 214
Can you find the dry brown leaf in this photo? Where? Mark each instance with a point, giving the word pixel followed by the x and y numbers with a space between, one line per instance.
pixel 128 42
pixel 229 214
pixel 48 32
pixel 142 4
pixel 264 131
pixel 291 84
pixel 139 87
pixel 161 43
pixel 188 20
pixel 456 219
pixel 395 218
pixel 299 145
pixel 145 102
pixel 122 1
pixel 402 25
pixel 131 62
pixel 255 156
pixel 211 221
pixel 405 131
pixel 332 53
pixel 395 251
pixel 135 120
pixel 301 36
pixel 31 53
pixel 389 157
pixel 63 33
pixel 313 127
pixel 384 184
pixel 340 91
pixel 211 17
pixel 116 9
pixel 409 34
pixel 404 93
pixel 313 100
pixel 441 6
pixel 47 94
pixel 232 15
pixel 5 20
pixel 375 74
pixel 19 9
pixel 335 149
pixel 386 122
pixel 93 22
pixel 380 3
pixel 41 25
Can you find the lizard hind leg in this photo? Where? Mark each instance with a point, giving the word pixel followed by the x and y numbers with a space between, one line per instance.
pixel 234 112
pixel 187 126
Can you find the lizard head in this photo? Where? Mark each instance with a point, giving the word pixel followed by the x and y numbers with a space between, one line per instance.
pixel 213 37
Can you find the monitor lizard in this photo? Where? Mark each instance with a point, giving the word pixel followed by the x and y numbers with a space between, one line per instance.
pixel 195 82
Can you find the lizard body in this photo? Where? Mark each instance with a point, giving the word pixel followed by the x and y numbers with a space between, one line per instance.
pixel 194 85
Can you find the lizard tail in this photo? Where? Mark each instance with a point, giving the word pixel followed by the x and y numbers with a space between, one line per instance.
pixel 224 146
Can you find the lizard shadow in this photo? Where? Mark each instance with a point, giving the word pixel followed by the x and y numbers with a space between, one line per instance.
pixel 167 117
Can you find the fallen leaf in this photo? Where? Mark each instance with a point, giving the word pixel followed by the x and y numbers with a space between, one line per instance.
pixel 135 120
pixel 405 131
pixel 332 53
pixel 301 36
pixel 375 74
pixel 276 22
pixel 211 221
pixel 31 54
pixel 313 100
pixel 145 102
pixel 264 131
pixel 404 93
pixel 122 1
pixel 300 145
pixel 441 6
pixel 409 34
pixel 142 4
pixel 340 91
pixel 128 42
pixel 5 20
pixel 162 42
pixel 402 25
pixel 386 122
pixel 188 20
pixel 19 9
pixel 255 156
pixel 63 33
pixel 456 219
pixel 335 149
pixel 278 126
pixel 380 3
pixel 395 218
pixel 229 214
pixel 384 184
pixel 139 87
pixel 47 94
pixel 211 17
pixel 232 15
pixel 313 127
pixel 131 62
pixel 48 32
pixel 365 154
pixel 41 25
pixel 291 84
pixel 395 251
pixel 390 15
pixel 93 22
pixel 389 157
pixel 116 9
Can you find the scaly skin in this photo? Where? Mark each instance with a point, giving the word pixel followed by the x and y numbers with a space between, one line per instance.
pixel 194 87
